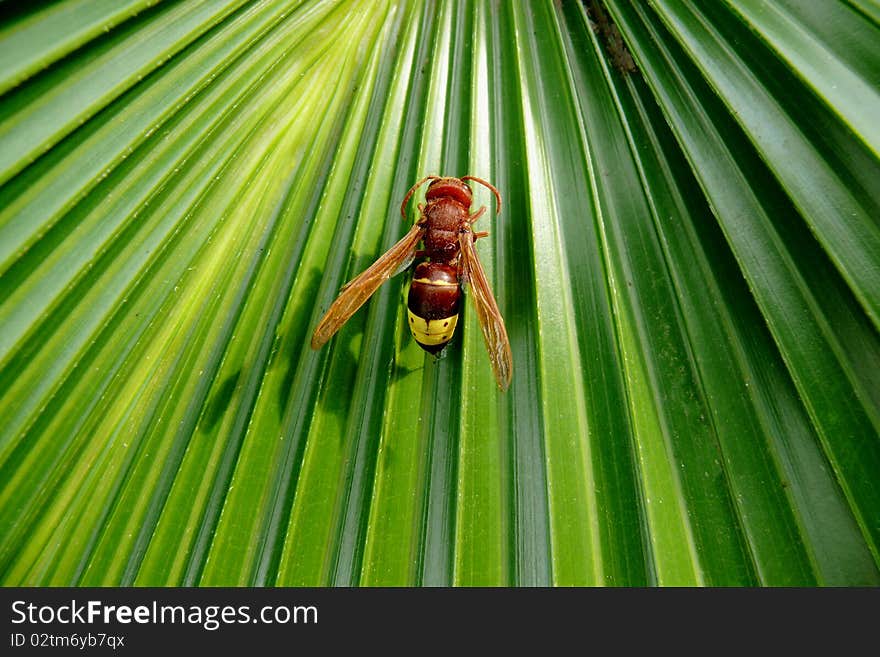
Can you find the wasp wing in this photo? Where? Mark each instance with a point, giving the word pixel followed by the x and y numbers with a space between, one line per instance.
pixel 497 343
pixel 358 290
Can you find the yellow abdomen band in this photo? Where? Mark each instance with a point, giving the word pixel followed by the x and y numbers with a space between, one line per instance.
pixel 431 332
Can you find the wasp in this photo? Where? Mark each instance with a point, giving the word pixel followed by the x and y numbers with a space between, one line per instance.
pixel 449 261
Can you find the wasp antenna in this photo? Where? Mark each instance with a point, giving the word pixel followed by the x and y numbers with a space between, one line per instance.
pixel 489 186
pixel 411 191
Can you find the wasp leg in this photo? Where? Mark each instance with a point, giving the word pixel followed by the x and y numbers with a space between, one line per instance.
pixel 476 215
pixel 482 233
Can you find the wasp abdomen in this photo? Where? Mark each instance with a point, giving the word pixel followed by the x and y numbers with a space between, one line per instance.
pixel 434 297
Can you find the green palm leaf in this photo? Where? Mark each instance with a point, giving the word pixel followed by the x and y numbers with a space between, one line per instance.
pixel 687 260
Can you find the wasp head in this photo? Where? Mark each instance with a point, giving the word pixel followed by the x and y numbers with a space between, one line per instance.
pixel 455 188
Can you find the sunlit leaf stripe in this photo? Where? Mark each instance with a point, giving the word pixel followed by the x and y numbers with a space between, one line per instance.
pixel 687 262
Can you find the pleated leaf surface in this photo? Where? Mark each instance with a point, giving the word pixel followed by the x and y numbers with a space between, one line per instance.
pixel 687 260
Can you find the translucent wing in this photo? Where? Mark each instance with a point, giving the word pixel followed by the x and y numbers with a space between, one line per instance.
pixel 490 318
pixel 357 291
